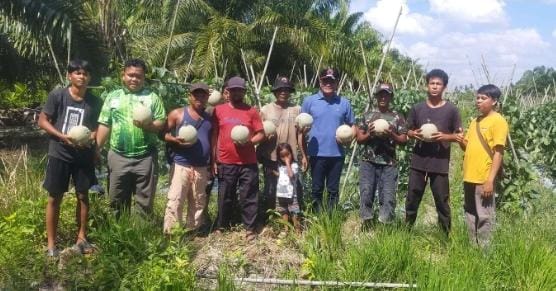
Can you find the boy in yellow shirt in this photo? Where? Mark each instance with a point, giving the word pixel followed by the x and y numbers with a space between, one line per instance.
pixel 484 145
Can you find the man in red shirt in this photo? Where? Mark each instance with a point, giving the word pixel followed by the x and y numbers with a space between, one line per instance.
pixel 235 164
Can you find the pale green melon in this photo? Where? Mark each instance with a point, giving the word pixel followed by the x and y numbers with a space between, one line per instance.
pixel 188 133
pixel 344 133
pixel 240 134
pixel 304 120
pixel 215 98
pixel 142 114
pixel 269 127
pixel 79 134
pixel 381 125
pixel 427 130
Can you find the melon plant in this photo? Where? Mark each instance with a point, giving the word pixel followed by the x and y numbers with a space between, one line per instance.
pixel 304 120
pixel 427 130
pixel 79 134
pixel 188 133
pixel 344 133
pixel 240 134
pixel 269 127
pixel 142 114
pixel 380 125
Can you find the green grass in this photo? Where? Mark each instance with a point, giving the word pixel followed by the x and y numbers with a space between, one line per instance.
pixel 134 255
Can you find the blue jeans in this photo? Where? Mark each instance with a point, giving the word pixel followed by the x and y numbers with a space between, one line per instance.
pixel 325 170
pixel 384 178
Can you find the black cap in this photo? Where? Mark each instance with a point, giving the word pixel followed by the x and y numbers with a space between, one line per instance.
pixel 199 86
pixel 329 73
pixel 282 82
pixel 384 87
pixel 235 82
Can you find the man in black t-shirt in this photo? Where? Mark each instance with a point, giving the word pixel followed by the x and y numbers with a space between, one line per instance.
pixel 430 160
pixel 64 109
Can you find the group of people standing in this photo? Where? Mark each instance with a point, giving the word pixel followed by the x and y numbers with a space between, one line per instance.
pixel 283 154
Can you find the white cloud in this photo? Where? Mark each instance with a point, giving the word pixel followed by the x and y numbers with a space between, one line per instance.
pixel 554 33
pixel 384 14
pixel 454 52
pixel 472 11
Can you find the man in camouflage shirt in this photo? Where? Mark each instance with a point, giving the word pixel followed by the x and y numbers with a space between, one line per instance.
pixel 132 159
pixel 378 169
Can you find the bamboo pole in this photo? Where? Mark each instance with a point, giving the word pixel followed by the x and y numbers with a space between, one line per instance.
pixel 188 66
pixel 55 61
pixel 371 90
pixel 171 33
pixel 267 59
pixel 321 283
pixel 246 69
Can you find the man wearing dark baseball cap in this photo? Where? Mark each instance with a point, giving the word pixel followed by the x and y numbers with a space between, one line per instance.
pixel 235 164
pixel 378 164
pixel 189 159
pixel 282 113
pixel 329 111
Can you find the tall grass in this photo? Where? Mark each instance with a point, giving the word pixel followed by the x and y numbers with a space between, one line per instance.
pixel 134 255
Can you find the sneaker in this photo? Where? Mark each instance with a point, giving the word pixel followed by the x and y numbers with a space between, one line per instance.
pixel 52 253
pixel 84 247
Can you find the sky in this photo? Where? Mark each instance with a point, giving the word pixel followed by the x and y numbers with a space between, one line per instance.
pixel 457 35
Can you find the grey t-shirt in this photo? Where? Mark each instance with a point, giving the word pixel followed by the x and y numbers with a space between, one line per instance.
pixel 433 156
pixel 66 113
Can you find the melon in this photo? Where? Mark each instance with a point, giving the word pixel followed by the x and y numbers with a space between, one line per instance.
pixel 188 133
pixel 344 133
pixel 381 125
pixel 142 114
pixel 269 127
pixel 304 120
pixel 240 134
pixel 79 134
pixel 215 98
pixel 427 130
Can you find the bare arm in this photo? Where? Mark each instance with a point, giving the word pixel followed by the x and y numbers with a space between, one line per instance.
pixel 488 186
pixel 214 149
pixel 46 123
pixel 364 135
pixel 103 132
pixel 302 148
pixel 257 137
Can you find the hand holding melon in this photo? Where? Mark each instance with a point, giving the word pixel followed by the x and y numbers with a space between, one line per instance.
pixel 79 135
pixel 304 121
pixel 344 134
pixel 380 127
pixel 187 135
pixel 269 129
pixel 142 115
pixel 428 132
pixel 240 134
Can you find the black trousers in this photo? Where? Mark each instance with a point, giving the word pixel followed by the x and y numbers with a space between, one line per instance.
pixel 440 188
pixel 232 178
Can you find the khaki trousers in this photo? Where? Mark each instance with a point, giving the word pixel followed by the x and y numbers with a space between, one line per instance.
pixel 188 183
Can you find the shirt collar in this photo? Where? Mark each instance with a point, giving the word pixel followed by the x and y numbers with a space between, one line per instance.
pixel 321 96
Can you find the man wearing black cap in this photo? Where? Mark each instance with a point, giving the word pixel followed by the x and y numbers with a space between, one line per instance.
pixel 329 111
pixel 377 167
pixel 282 113
pixel 191 161
pixel 235 164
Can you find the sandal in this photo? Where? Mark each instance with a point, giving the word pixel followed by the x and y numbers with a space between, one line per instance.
pixel 250 236
pixel 84 247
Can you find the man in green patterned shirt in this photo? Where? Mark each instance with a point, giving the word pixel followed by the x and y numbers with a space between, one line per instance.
pixel 377 167
pixel 132 158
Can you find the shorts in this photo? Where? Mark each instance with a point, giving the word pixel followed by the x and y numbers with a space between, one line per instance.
pixel 58 173
pixel 287 206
